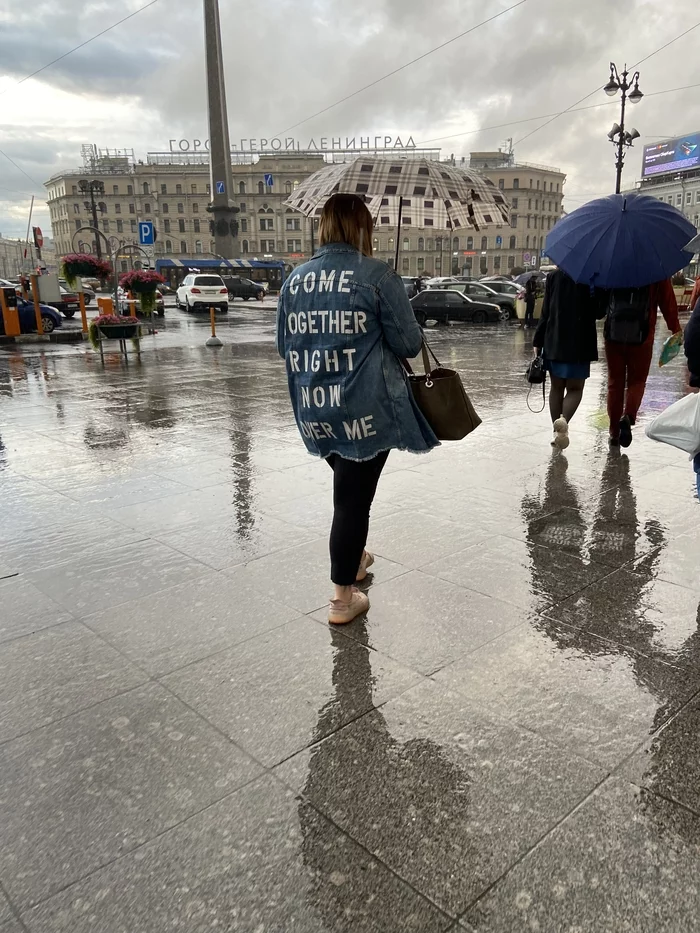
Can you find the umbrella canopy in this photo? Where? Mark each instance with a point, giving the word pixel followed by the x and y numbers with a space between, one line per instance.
pixel 694 245
pixel 428 193
pixel 622 241
pixel 526 276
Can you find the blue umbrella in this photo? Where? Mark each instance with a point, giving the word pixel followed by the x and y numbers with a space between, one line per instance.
pixel 622 241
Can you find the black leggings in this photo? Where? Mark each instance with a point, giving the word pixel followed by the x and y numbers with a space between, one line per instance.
pixel 354 486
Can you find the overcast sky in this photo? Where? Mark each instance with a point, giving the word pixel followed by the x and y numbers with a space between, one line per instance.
pixel 143 82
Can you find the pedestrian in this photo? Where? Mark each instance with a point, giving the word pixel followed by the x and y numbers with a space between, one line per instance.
pixel 344 323
pixel 691 345
pixel 629 345
pixel 530 300
pixel 567 337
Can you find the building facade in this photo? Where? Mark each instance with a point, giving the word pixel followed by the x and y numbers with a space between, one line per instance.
pixel 18 256
pixel 172 189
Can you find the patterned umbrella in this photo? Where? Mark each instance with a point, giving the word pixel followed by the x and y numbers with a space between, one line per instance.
pixel 415 192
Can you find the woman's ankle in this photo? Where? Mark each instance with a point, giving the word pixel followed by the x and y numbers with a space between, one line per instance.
pixel 343 593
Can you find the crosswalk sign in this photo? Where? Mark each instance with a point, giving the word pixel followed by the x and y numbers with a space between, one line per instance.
pixel 269 181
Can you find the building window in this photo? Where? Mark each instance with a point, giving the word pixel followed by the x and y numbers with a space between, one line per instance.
pixel 165 208
pixel 145 187
pixel 670 199
pixel 501 183
pixel 115 189
pixel 76 208
pixel 183 246
pixel 516 182
pixel 405 263
pixel 241 187
pixel 267 223
pixel 538 184
pixel 181 226
pixel 455 243
pixel 193 189
pixel 497 264
pixel 133 225
pixel 117 208
pixel 514 204
pixel 120 226
pixel 421 243
pixel 470 242
pixel 163 189
pixel 697 197
pixel 689 197
pixel 514 220
pixel 484 242
pixel 244 244
pixel 125 265
pixel 512 243
pixel 391 244
pixel 242 207
pixel 529 221
pixel 75 189
pixel 529 204
pixel 132 208
pixel 129 189
pixel 293 246
pixel 195 208
pixel 180 207
pixel 166 226
pixel 534 221
pixel 289 223
pixel 421 264
pixel 195 225
pixel 198 246
pixel 77 225
pixel 147 208
pixel 511 262
pixel 679 200
pixel 261 188
pixel 168 246
pixel 178 189
pixel 527 242
pixel 288 187
pixel 557 187
pixel 244 226
pixel 105 225
pixel 429 245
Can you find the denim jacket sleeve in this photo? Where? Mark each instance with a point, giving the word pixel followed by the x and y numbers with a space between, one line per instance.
pixel 401 330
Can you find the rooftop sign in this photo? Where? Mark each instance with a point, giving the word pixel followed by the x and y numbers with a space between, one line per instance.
pixel 290 144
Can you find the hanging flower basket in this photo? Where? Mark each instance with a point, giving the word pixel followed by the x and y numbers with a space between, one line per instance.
pixel 113 327
pixel 143 283
pixel 80 264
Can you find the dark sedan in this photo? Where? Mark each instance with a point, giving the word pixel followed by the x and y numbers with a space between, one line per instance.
pixel 481 291
pixel 447 305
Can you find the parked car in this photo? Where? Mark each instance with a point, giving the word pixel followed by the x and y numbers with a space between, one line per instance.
pixel 89 293
pixel 410 286
pixel 200 292
pixel 503 286
pixel 482 292
pixel 50 318
pixel 240 287
pixel 445 305
pixel 69 305
pixel 439 280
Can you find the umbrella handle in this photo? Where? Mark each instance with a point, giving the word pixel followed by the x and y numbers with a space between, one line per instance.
pixel 398 236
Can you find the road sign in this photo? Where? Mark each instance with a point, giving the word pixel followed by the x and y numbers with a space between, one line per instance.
pixel 499 241
pixel 269 180
pixel 526 258
pixel 38 237
pixel 146 237
pixel 220 187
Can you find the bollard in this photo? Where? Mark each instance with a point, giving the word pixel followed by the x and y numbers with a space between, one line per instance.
pixel 213 341
pixel 83 312
pixel 34 279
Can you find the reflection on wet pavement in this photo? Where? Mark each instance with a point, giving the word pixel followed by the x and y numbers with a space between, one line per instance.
pixel 509 740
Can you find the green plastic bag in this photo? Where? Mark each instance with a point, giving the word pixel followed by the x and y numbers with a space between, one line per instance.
pixel 671 348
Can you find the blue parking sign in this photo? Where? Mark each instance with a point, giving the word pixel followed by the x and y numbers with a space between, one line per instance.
pixel 269 180
pixel 499 241
pixel 220 187
pixel 146 232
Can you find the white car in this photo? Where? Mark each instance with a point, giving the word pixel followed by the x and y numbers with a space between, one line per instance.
pixel 200 291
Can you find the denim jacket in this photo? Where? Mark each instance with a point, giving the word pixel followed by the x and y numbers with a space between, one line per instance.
pixel 343 322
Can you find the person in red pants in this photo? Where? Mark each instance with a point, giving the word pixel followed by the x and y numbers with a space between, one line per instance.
pixel 629 345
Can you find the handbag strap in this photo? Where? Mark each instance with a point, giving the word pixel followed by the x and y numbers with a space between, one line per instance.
pixel 425 349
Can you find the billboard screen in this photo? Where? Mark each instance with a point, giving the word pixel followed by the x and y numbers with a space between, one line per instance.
pixel 672 155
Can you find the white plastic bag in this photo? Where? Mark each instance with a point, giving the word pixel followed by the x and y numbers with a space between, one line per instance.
pixel 679 425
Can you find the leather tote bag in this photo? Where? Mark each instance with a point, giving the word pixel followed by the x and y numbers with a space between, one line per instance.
pixel 440 395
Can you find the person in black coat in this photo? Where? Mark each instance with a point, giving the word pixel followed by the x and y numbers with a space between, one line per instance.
pixel 530 301
pixel 691 345
pixel 568 339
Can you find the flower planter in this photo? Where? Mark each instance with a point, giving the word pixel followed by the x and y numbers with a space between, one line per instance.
pixel 119 331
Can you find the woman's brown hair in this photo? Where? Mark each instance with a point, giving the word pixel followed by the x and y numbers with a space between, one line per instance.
pixel 345 219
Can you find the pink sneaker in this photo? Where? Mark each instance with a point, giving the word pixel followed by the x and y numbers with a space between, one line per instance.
pixel 340 612
pixel 365 564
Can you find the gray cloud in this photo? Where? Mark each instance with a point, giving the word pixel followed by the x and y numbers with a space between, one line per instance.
pixel 293 57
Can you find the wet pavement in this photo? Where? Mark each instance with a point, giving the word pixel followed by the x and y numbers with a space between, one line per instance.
pixel 509 741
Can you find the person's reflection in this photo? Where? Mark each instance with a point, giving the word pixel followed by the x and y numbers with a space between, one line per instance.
pixel 409 789
pixel 242 469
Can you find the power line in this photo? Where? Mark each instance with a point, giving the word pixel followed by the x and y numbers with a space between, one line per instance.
pixel 20 169
pixel 500 126
pixel 75 49
pixel 576 103
pixel 402 67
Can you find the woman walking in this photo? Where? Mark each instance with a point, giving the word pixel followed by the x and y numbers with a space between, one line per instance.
pixel 343 324
pixel 567 336
pixel 530 301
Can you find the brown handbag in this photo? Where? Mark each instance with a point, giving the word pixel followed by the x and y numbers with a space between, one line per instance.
pixel 440 395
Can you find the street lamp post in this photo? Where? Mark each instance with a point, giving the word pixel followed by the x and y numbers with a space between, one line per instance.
pixel 618 136
pixel 92 188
